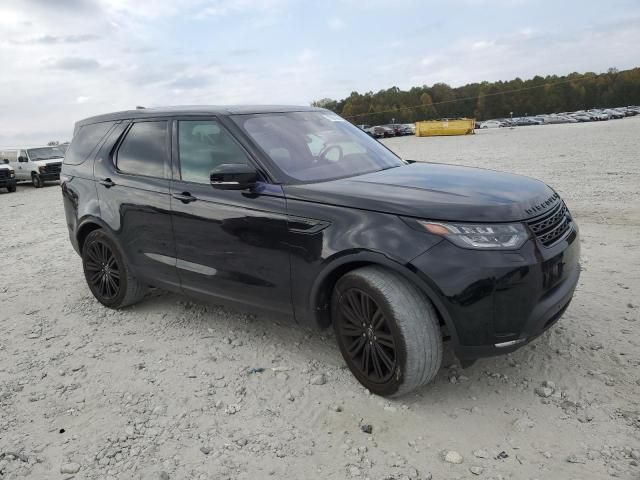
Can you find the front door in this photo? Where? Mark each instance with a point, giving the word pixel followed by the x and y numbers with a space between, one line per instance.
pixel 23 169
pixel 230 244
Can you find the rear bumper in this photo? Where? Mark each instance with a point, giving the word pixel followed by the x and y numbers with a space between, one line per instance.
pixel 495 302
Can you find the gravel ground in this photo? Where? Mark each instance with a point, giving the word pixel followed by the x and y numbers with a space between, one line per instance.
pixel 163 390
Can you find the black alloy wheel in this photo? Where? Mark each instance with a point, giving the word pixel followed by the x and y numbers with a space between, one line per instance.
pixel 387 330
pixel 366 335
pixel 102 270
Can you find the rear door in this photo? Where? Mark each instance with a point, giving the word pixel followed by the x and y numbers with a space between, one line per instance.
pixel 230 244
pixel 133 190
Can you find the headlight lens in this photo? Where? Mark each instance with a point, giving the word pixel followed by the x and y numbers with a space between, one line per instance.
pixel 42 168
pixel 481 236
pixel 12 173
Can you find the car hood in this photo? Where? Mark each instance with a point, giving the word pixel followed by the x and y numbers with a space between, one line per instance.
pixel 435 191
pixel 48 162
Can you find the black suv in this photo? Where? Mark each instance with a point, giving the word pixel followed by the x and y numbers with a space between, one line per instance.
pixel 296 211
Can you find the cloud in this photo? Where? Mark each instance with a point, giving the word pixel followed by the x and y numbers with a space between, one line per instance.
pixel 183 82
pixel 77 64
pixel 305 56
pixel 75 5
pixel 82 99
pixel 337 24
pixel 53 39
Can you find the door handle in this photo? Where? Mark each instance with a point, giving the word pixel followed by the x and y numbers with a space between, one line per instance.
pixel 107 182
pixel 184 197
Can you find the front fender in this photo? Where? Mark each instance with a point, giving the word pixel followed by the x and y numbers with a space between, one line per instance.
pixel 339 264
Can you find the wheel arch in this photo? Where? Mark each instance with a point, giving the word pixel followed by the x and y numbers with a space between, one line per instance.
pixel 87 226
pixel 322 289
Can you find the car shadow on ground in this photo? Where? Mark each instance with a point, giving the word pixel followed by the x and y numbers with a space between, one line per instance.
pixel 452 381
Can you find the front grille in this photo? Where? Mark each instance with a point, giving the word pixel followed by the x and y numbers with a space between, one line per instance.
pixel 4 173
pixel 551 227
pixel 54 167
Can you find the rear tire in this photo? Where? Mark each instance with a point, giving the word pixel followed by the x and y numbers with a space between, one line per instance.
pixel 108 276
pixel 37 181
pixel 379 313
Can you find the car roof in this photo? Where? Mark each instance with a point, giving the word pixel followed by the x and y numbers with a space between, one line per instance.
pixel 218 110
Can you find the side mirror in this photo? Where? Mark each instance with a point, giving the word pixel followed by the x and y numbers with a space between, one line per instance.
pixel 22 159
pixel 6 160
pixel 233 176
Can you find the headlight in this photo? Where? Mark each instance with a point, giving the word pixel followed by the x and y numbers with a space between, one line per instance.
pixel 12 173
pixel 481 236
pixel 42 168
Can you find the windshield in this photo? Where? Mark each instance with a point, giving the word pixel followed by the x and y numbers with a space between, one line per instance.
pixel 316 146
pixel 45 153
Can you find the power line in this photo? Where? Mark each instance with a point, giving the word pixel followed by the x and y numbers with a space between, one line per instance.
pixel 523 89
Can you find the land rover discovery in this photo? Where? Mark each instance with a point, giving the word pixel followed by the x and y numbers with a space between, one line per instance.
pixel 296 211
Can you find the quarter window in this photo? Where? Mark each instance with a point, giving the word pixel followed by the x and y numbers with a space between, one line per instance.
pixel 204 145
pixel 85 141
pixel 144 150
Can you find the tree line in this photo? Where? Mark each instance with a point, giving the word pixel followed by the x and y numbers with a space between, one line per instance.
pixel 550 94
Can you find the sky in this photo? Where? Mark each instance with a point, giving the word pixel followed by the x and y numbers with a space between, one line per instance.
pixel 64 60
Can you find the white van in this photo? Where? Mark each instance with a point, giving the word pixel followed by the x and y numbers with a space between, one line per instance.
pixel 37 164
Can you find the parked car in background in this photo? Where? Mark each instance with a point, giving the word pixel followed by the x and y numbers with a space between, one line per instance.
pixel 387 131
pixel 37 164
pixel 526 121
pixel 378 132
pixel 323 225
pixel 366 129
pixel 7 176
pixel 410 128
pixel 614 113
pixel 491 124
pixel 598 114
pixel 554 119
pixel 395 127
pixel 581 117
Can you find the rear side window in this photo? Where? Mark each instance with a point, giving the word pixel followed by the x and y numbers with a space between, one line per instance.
pixel 85 142
pixel 204 145
pixel 144 150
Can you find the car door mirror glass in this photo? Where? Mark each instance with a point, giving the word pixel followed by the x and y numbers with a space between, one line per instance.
pixel 22 159
pixel 233 176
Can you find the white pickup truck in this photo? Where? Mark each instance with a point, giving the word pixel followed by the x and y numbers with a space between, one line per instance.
pixel 37 164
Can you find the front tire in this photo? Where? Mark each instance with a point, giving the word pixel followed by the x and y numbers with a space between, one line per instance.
pixel 108 276
pixel 11 189
pixel 387 330
pixel 37 181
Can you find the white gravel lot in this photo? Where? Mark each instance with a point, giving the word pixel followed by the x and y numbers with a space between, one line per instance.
pixel 161 390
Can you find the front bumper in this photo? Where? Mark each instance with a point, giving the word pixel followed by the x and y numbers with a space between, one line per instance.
pixel 7 182
pixel 49 176
pixel 494 302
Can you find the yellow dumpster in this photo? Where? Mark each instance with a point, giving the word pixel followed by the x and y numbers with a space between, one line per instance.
pixel 461 126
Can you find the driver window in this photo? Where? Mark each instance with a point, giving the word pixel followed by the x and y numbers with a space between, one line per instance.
pixel 203 145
